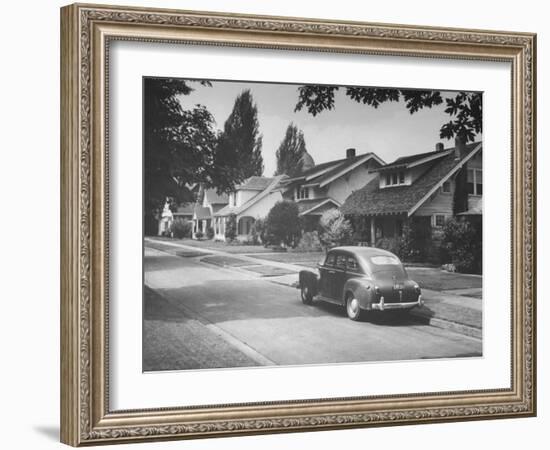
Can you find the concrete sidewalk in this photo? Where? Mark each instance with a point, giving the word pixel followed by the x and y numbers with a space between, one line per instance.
pixel 458 313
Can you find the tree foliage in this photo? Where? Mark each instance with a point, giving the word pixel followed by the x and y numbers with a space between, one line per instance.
pixel 239 151
pixel 290 152
pixel 179 144
pixel 334 229
pixel 465 108
pixel 282 224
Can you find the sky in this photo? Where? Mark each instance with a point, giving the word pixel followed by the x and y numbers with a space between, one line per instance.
pixel 390 131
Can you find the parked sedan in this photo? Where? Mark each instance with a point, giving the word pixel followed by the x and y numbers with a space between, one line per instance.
pixel 361 279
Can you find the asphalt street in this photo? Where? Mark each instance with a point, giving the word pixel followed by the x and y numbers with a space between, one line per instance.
pixel 199 316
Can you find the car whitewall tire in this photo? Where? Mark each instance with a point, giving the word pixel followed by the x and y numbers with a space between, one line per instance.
pixel 307 298
pixel 353 308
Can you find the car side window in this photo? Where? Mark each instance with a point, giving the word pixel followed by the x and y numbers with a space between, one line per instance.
pixel 341 262
pixel 330 260
pixel 352 265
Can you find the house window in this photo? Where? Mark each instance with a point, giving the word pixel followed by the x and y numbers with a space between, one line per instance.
pixel 395 178
pixel 438 220
pixel 474 183
pixel 302 193
pixel 446 187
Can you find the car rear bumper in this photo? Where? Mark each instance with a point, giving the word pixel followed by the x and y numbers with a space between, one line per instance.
pixel 382 306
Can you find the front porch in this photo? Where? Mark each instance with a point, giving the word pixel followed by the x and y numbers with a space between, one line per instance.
pixel 413 239
pixel 243 226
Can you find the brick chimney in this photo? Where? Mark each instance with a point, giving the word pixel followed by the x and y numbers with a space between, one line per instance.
pixel 460 146
pixel 439 147
pixel 350 153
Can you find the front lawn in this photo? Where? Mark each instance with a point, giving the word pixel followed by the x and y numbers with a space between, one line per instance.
pixel 309 259
pixel 440 280
pixel 223 246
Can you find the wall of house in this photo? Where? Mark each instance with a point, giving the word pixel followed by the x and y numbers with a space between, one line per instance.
pixel 262 207
pixel 341 188
pixel 244 195
pixel 439 203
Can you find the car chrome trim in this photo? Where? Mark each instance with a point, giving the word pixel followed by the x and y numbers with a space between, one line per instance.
pixel 382 305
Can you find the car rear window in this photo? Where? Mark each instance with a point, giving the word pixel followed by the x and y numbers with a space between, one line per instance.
pixel 385 260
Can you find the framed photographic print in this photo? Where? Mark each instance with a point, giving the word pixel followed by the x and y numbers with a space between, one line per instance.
pixel 275 224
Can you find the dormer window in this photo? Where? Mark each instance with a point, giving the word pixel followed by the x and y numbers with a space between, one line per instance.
pixel 395 178
pixel 302 193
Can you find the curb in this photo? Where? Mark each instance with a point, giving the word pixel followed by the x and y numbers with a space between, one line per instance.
pixel 448 325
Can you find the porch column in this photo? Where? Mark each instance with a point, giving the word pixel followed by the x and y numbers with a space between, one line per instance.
pixel 372 231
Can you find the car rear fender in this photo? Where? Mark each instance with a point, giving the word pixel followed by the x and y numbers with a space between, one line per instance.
pixel 362 290
pixel 309 279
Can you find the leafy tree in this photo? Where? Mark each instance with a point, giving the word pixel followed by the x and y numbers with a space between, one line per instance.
pixel 178 144
pixel 290 152
pixel 465 108
pixel 334 229
pixel 282 224
pixel 239 151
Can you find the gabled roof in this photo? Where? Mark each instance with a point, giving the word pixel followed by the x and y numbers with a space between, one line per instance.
pixel 324 173
pixel 274 182
pixel 414 160
pixel 213 198
pixel 185 210
pixel 254 183
pixel 314 206
pixel 201 212
pixel 372 200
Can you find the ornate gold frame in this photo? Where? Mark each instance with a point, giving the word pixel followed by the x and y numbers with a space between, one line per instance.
pixel 85 34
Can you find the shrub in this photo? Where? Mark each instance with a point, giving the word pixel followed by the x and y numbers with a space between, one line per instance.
pixel 414 243
pixel 257 233
pixel 282 225
pixel 393 245
pixel 210 233
pixel 181 228
pixel 462 245
pixel 231 227
pixel 334 229
pixel 309 242
pixel 199 235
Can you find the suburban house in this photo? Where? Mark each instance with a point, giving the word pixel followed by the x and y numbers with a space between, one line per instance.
pixel 426 189
pixel 209 202
pixel 250 200
pixel 325 186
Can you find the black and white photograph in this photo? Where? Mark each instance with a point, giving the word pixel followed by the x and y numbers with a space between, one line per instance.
pixel 300 224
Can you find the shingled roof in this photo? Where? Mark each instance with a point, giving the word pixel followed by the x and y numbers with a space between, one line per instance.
pixel 325 171
pixel 311 205
pixel 371 200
